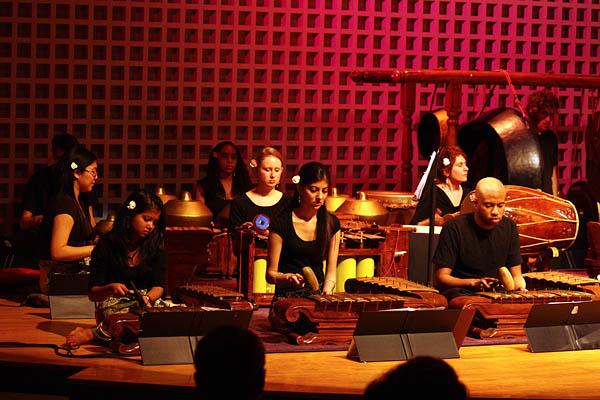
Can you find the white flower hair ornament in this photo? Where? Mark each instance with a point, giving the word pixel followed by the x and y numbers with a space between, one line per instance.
pixel 253 163
pixel 446 161
pixel 74 165
pixel 296 179
pixel 131 205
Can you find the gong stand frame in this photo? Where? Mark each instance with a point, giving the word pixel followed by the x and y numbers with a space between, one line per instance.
pixel 454 79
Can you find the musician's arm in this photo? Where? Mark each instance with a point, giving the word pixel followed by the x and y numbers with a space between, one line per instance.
pixel 155 293
pixel 59 247
pixel 444 280
pixel 330 272
pixel 274 244
pixel 100 293
pixel 92 219
pixel 518 277
pixel 29 221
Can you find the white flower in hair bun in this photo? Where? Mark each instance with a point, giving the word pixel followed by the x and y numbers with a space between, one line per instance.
pixel 131 205
pixel 74 165
pixel 296 179
pixel 446 161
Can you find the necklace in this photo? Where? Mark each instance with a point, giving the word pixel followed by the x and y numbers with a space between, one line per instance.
pixel 132 256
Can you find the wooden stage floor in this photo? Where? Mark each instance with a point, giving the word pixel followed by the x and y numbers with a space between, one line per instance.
pixel 501 371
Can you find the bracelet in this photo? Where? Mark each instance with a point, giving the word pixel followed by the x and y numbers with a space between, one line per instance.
pixel 329 280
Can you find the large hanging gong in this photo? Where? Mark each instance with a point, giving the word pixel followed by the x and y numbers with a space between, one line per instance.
pixel 500 144
pixel 433 129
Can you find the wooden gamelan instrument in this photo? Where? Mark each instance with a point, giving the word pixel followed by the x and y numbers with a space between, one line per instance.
pixel 503 314
pixel 124 327
pixel 211 296
pixel 331 319
pixel 562 280
pixel 397 286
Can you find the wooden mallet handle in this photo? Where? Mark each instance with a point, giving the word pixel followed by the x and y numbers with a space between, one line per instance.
pixel 310 279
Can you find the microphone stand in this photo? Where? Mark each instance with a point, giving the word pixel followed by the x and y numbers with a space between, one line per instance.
pixel 433 192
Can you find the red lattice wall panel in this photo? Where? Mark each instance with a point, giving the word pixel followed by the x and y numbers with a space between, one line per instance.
pixel 151 86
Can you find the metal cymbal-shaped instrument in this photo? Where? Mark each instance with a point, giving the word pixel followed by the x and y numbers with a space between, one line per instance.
pixel 105 226
pixel 366 210
pixel 401 205
pixel 187 212
pixel 162 194
pixel 334 200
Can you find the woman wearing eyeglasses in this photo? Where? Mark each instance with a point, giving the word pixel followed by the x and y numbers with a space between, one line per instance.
pixel 68 224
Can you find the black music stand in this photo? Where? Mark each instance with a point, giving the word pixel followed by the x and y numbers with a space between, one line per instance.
pixel 429 190
pixel 564 326
pixel 398 335
pixel 68 297
pixel 171 337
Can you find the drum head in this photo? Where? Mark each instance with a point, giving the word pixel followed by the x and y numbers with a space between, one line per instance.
pixel 433 127
pixel 499 144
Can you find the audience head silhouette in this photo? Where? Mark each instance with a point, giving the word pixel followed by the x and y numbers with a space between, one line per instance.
pixel 419 378
pixel 230 364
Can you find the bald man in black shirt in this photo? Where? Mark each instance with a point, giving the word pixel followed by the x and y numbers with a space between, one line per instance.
pixel 472 247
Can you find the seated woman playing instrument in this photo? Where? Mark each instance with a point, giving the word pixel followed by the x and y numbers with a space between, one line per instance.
pixel 133 252
pixel 303 236
pixel 226 178
pixel 451 173
pixel 68 236
pixel 265 198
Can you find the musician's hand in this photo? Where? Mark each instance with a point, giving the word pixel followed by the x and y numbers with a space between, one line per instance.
pixel 439 220
pixel 147 300
pixel 484 283
pixel 247 225
pixel 520 283
pixel 449 217
pixel 295 280
pixel 117 290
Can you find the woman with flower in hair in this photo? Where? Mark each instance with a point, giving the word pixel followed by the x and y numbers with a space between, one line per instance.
pixel 451 174
pixel 263 199
pixel 304 235
pixel 226 178
pixel 131 254
pixel 67 227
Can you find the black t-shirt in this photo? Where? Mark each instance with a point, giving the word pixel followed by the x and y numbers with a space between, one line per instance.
pixel 81 234
pixel 105 268
pixel 212 200
pixel 295 252
pixel 549 148
pixel 474 252
pixel 244 210
pixel 39 191
pixel 442 201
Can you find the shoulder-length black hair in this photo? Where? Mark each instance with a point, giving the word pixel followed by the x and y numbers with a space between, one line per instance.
pixel 241 177
pixel 138 202
pixel 310 173
pixel 77 159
